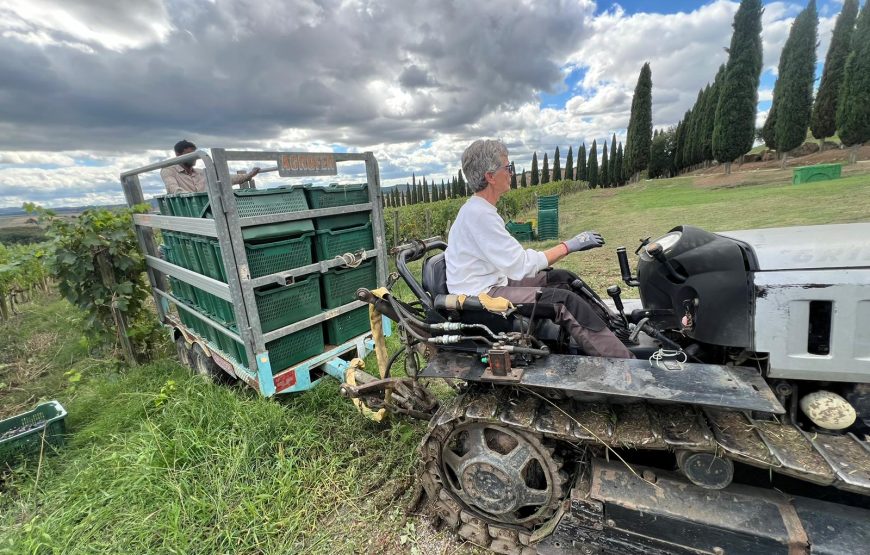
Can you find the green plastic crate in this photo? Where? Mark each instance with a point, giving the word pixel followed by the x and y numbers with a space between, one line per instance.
pixel 278 256
pixel 335 242
pixel 819 172
pixel 285 305
pixel 208 254
pixel 22 435
pixel 294 348
pixel 340 284
pixel 197 204
pixel 347 326
pixel 263 202
pixel 162 205
pixel 338 195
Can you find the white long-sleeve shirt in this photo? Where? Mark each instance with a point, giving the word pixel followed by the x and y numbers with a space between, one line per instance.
pixel 481 254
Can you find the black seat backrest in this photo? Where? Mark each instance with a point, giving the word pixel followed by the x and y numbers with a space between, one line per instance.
pixel 435 275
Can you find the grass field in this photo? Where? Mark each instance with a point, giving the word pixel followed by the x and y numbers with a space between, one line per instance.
pixel 162 462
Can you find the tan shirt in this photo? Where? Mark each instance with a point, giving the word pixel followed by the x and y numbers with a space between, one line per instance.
pixel 179 179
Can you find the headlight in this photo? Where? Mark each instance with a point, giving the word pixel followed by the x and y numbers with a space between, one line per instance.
pixel 669 240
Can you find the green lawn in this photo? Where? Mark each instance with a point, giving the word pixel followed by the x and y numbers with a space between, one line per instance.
pixel 161 462
pixel 652 208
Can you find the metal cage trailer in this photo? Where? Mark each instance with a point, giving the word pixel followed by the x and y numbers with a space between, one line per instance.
pixel 263 281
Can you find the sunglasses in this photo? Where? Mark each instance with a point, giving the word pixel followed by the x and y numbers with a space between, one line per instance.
pixel 509 167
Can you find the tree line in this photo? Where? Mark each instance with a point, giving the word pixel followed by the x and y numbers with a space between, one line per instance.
pixel 720 126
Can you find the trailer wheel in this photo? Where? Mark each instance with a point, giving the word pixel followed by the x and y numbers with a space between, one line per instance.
pixel 204 366
pixel 183 351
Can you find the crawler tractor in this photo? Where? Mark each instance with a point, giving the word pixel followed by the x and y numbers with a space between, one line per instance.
pixel 739 427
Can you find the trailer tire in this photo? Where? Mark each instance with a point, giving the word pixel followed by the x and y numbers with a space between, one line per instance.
pixel 183 351
pixel 203 365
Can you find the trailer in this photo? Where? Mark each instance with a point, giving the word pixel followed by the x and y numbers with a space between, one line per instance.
pixel 259 284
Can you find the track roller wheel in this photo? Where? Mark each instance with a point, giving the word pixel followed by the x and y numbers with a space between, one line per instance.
pixel 491 482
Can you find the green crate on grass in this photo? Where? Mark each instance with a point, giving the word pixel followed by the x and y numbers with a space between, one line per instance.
pixel 335 242
pixel 340 284
pixel 22 435
pixel 287 304
pixel 338 195
pixel 296 347
pixel 347 325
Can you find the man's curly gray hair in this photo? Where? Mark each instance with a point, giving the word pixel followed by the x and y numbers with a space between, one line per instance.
pixel 483 155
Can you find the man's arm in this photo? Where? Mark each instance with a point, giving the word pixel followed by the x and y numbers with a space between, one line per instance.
pixel 556 253
pixel 238 178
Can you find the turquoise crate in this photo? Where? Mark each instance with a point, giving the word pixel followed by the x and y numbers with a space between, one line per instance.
pixel 296 347
pixel 347 326
pixel 340 284
pixel 335 242
pixel 278 256
pixel 23 435
pixel 287 304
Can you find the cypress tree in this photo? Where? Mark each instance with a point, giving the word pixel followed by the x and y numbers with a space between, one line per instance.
pixel 454 187
pixel 683 155
pixel 545 172
pixel 768 130
pixel 823 122
pixel 611 170
pixel 413 194
pixel 426 196
pixel 734 125
pixel 640 123
pixel 619 173
pixel 460 185
pixel 557 167
pixel 569 164
pixel 592 166
pixel 604 172
pixel 523 183
pixel 679 142
pixel 513 181
pixel 853 114
pixel 710 116
pixel 794 87
pixel 581 163
pixel 693 136
pixel 535 178
pixel 445 191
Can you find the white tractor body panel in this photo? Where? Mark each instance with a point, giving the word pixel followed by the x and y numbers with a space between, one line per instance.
pixel 782 322
pixel 808 247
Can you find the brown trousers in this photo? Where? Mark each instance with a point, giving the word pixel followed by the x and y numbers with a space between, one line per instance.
pixel 584 326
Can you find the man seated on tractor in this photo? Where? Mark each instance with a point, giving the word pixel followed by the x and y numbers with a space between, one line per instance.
pixel 482 257
pixel 185 178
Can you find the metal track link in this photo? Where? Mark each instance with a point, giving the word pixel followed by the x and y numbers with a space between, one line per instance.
pixel 766 444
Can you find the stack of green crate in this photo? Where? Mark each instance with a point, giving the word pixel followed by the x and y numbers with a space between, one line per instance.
pixel 335 236
pixel 548 217
pixel 270 248
pixel 521 231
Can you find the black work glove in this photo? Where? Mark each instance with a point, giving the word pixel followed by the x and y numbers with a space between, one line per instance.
pixel 584 241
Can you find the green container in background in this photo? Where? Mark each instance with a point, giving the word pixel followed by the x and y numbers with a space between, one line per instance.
pixel 819 172
pixel 22 435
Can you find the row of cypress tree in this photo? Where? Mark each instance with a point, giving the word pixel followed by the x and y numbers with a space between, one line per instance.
pixel 721 124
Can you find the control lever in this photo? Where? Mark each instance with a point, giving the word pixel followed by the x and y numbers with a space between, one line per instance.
pixel 614 291
pixel 625 269
pixel 656 251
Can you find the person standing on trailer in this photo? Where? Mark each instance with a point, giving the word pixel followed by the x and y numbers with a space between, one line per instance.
pixel 482 257
pixel 185 178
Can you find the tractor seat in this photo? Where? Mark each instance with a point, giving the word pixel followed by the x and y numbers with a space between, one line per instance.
pixel 435 275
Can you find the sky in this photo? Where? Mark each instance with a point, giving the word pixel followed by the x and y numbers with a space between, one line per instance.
pixel 91 88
